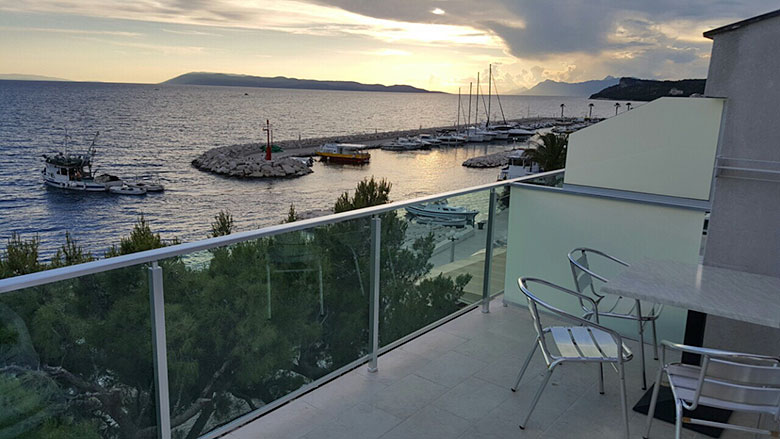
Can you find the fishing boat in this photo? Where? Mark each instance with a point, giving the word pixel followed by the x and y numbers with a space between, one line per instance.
pixel 351 153
pixel 74 171
pixel 126 189
pixel 442 210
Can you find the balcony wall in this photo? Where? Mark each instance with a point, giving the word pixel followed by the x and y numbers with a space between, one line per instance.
pixel 547 223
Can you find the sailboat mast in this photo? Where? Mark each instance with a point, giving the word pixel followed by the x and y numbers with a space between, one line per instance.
pixel 490 83
pixel 457 124
pixel 476 113
pixel 468 122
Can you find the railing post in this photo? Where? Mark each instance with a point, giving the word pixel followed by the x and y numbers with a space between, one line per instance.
pixel 373 312
pixel 488 253
pixel 160 351
pixel 452 249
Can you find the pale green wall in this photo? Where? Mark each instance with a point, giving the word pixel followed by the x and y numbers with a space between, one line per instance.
pixel 665 147
pixel 545 225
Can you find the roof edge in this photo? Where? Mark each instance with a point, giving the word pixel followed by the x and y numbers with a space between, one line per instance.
pixel 734 26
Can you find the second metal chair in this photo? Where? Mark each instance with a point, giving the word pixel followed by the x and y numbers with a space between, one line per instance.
pixel 621 308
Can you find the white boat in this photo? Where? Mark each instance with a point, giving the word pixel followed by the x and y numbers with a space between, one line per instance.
pixel 404 144
pixel 520 133
pixel 127 189
pixel 74 171
pixel 442 210
pixel 452 139
pixel 428 139
pixel 519 166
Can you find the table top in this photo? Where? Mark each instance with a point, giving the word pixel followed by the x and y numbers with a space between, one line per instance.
pixel 727 293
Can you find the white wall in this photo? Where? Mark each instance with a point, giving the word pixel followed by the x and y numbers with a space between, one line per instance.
pixel 545 225
pixel 665 147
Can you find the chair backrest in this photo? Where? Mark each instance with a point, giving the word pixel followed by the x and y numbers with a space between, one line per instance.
pixel 534 303
pixel 742 380
pixel 582 273
pixel 737 378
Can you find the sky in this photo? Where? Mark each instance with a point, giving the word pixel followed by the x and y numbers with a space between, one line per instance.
pixel 432 44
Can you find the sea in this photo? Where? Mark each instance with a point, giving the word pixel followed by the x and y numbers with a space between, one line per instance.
pixel 155 131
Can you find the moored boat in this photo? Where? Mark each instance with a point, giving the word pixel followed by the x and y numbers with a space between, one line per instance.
pixel 351 153
pixel 442 210
pixel 127 189
pixel 519 166
pixel 74 171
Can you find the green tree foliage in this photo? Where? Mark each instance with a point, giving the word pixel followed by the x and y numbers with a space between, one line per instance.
pixel 292 215
pixel 141 238
pixel 223 224
pixel 20 256
pixel 550 153
pixel 245 324
pixel 70 254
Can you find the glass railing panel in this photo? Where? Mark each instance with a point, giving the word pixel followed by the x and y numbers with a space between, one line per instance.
pixel 433 257
pixel 250 323
pixel 76 358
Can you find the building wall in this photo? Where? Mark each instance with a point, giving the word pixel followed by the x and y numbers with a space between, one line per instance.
pixel 666 147
pixel 544 225
pixel 744 230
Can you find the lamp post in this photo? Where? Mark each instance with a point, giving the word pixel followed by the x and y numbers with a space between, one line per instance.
pixel 617 107
pixel 628 106
pixel 562 107
pixel 590 110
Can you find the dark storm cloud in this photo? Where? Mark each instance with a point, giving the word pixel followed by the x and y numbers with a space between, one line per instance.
pixel 534 29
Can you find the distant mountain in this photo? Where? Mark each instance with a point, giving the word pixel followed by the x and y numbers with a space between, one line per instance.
pixel 224 79
pixel 23 77
pixel 555 88
pixel 633 89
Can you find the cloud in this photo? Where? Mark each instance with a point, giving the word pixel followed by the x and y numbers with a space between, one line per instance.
pixel 69 31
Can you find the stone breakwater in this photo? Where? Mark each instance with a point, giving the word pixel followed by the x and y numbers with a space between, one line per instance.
pixel 490 161
pixel 225 161
pixel 247 160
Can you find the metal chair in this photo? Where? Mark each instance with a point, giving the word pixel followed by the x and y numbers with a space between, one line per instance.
pixel 622 308
pixel 586 342
pixel 727 380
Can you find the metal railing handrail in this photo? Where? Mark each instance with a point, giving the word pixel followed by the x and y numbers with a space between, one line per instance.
pixel 101 265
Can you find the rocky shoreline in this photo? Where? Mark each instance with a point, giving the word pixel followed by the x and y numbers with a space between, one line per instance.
pixel 248 160
pixel 491 160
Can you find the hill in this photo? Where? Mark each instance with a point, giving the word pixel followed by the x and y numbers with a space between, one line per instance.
pixel 232 80
pixel 633 89
pixel 555 88
pixel 23 77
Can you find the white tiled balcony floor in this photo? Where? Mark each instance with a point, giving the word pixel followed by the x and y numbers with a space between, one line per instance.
pixel 454 381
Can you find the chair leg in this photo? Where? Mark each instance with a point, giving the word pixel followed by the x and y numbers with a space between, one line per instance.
pixel 601 378
pixel 653 401
pixel 678 415
pixel 538 394
pixel 623 398
pixel 655 341
pixel 641 342
pixel 525 365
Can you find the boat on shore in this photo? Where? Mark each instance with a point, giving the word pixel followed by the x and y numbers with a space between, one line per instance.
pixel 350 153
pixel 519 166
pixel 442 211
pixel 74 171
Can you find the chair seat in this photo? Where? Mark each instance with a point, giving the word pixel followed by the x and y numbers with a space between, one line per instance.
pixel 684 380
pixel 587 343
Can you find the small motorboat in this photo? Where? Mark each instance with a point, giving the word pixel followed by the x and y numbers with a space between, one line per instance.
pixel 442 210
pixel 149 186
pixel 350 153
pixel 127 189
